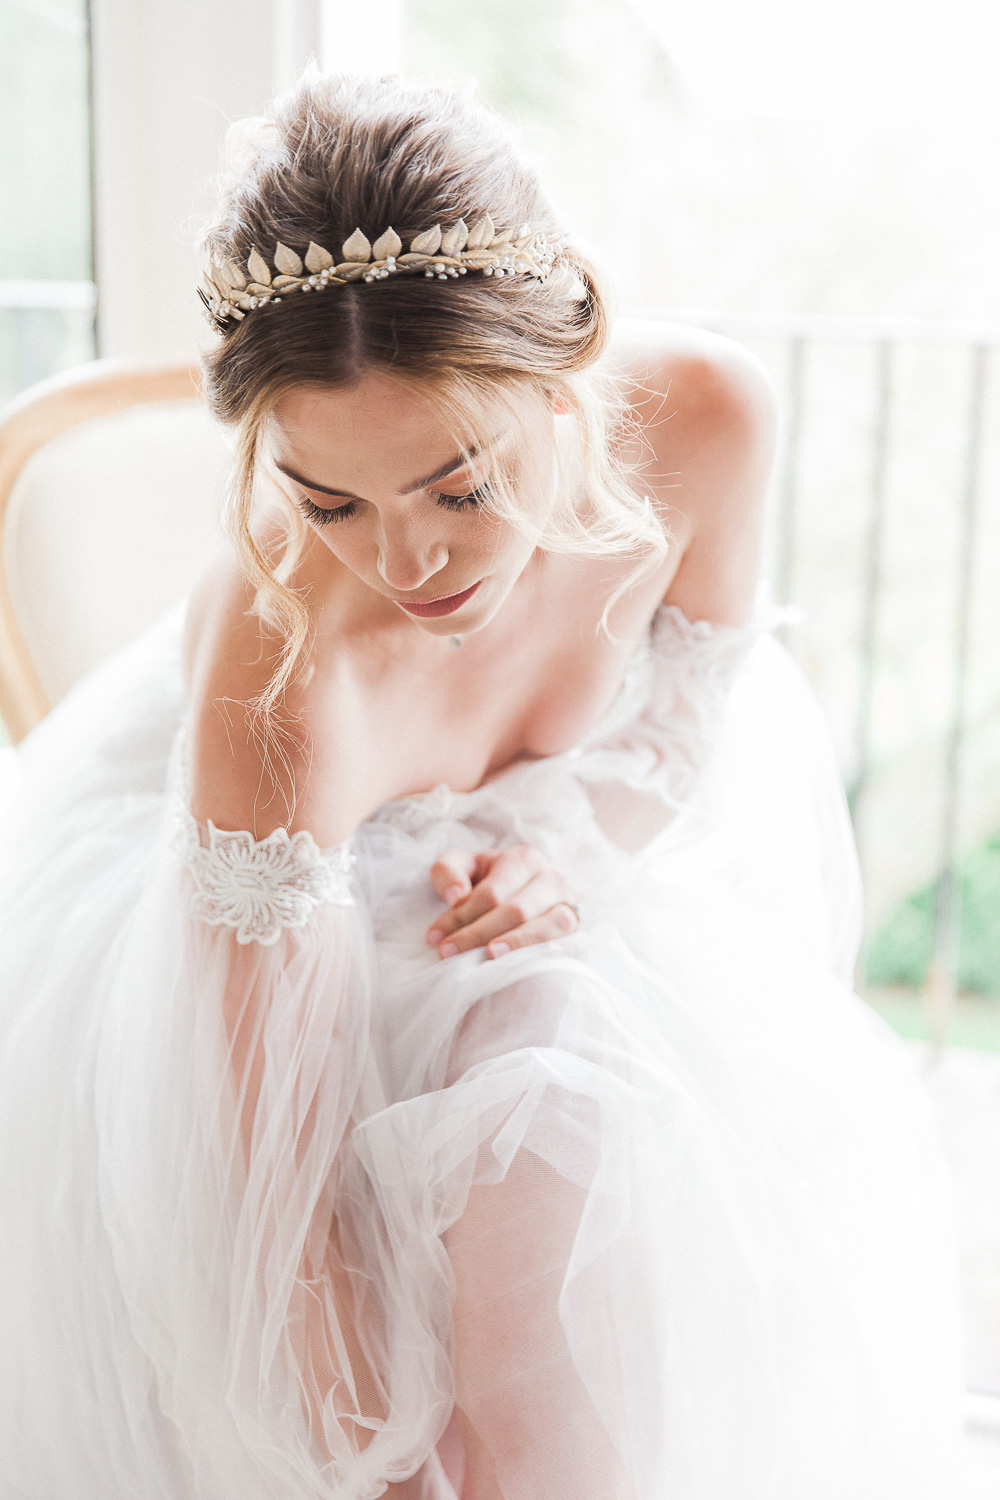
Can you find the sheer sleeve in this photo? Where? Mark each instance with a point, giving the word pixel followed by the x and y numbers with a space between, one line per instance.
pixel 730 755
pixel 251 1257
pixel 646 767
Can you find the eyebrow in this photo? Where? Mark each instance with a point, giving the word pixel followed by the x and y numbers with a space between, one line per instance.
pixel 451 467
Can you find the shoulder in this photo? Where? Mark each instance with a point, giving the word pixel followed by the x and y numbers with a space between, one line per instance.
pixel 687 379
pixel 246 773
pixel 708 415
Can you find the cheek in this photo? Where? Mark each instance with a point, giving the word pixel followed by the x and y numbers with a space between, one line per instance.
pixel 355 552
pixel 510 554
pixel 493 539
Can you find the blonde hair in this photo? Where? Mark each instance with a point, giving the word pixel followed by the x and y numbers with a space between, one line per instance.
pixel 339 153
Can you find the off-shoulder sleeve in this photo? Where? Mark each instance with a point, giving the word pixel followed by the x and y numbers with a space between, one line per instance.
pixel 650 773
pixel 695 666
pixel 256 1274
pixel 260 887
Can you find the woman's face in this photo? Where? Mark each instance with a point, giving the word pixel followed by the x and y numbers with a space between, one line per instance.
pixel 380 479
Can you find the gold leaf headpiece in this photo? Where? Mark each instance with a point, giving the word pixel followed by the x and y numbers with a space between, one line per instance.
pixel 230 292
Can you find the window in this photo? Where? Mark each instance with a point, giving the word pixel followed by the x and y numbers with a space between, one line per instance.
pixel 46 292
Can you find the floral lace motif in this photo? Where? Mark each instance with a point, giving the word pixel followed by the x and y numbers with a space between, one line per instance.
pixel 261 886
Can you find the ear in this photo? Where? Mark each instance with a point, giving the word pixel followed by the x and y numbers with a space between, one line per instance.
pixel 559 404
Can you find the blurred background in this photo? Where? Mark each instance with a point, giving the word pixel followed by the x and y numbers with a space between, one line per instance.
pixel 818 182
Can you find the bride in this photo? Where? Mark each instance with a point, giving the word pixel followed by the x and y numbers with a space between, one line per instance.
pixel 429 1060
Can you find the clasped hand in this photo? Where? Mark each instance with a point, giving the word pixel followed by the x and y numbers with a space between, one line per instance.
pixel 508 898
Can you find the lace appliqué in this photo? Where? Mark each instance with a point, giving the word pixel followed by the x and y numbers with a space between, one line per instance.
pixel 261 886
pixel 414 813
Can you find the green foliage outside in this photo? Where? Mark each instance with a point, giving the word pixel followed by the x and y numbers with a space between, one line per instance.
pixel 901 951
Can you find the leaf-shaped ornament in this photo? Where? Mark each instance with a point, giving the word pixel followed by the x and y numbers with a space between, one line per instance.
pixel 387 244
pixel 218 281
pixel 427 243
pixel 481 234
pixel 258 267
pixel 233 274
pixel 317 259
pixel 454 240
pixel 287 262
pixel 357 247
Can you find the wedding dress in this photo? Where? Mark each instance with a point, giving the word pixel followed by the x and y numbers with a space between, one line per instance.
pixel 659 1206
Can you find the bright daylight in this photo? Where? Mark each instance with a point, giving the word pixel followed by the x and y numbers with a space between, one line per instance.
pixel 499 750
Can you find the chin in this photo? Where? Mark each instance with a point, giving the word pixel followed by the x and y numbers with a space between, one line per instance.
pixel 459 623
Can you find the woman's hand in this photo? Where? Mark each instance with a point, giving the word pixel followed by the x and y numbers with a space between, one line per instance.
pixel 506 899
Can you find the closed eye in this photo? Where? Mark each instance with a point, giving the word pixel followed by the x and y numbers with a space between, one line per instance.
pixel 463 502
pixel 324 515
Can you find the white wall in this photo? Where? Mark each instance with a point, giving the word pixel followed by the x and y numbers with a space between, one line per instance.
pixel 362 38
pixel 168 78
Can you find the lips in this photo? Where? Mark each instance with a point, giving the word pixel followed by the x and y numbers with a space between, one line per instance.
pixel 446 605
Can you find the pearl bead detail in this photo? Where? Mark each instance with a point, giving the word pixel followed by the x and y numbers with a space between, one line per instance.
pixel 227 296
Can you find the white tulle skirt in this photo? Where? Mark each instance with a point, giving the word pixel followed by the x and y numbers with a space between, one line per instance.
pixel 655 1212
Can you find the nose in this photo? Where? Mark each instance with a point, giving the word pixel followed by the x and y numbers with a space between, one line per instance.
pixel 405 564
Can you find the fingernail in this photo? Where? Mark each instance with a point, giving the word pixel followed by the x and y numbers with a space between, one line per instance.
pixel 497 950
pixel 454 893
pixel 448 950
pixel 434 936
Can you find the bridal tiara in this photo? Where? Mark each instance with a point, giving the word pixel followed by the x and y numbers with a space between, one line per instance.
pixel 231 291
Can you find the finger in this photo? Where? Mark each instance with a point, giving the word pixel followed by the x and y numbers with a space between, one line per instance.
pixel 452 876
pixel 509 872
pixel 559 921
pixel 533 897
pixel 540 894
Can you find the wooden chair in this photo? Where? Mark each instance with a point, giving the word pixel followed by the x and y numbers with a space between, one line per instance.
pixel 111 478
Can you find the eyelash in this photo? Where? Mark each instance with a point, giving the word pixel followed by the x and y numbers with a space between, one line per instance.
pixel 325 517
pixel 464 502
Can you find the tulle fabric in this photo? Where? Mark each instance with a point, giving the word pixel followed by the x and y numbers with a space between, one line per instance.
pixel 653 1211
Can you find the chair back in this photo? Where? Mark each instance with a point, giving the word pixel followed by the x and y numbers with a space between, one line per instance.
pixel 111 482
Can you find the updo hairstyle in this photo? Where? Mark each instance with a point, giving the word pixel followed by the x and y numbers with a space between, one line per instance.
pixel 340 153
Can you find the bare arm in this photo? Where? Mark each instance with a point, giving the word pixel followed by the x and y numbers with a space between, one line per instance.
pixel 305 772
